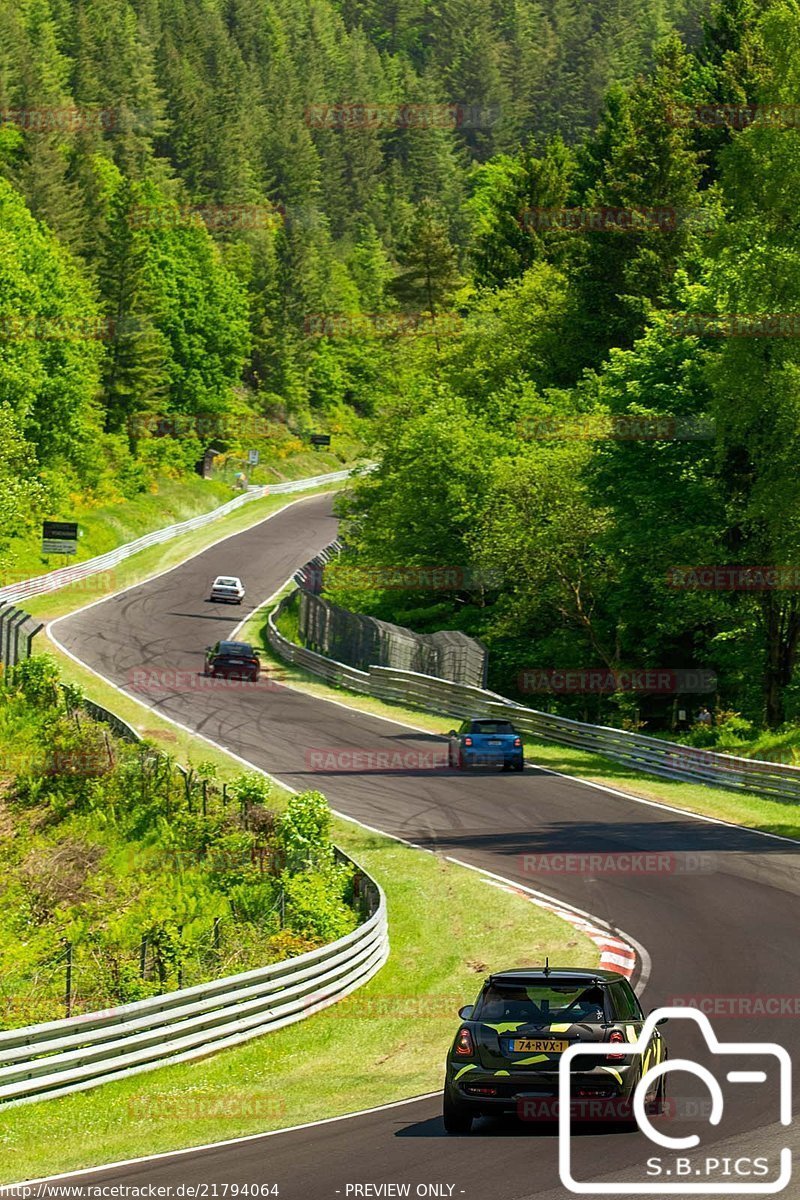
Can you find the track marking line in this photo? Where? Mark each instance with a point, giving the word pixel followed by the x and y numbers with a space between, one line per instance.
pixel 251 1137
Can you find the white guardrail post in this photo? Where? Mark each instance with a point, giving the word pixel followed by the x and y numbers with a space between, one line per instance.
pixel 650 754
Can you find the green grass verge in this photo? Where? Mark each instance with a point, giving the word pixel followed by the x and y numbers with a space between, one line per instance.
pixel 387 1042
pixel 742 808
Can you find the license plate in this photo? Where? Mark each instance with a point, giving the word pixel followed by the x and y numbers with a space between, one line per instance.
pixel 538 1045
pixel 495 742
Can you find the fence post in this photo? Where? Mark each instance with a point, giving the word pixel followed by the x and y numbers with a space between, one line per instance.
pixel 68 980
pixel 143 956
pixel 16 627
pixel 205 797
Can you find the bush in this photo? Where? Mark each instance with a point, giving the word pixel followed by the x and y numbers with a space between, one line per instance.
pixel 303 831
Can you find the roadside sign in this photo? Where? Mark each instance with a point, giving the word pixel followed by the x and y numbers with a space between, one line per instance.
pixel 65 530
pixel 320 439
pixel 54 546
pixel 252 458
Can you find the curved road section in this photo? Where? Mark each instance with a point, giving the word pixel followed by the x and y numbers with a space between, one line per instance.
pixel 717 907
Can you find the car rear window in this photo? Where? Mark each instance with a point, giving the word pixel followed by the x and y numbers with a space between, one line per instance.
pixel 237 649
pixel 541 1004
pixel 226 583
pixel 491 727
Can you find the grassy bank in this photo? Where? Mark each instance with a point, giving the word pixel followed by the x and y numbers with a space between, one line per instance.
pixel 447 928
pixel 168 500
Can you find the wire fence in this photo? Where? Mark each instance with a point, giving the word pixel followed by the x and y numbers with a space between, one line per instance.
pixel 361 640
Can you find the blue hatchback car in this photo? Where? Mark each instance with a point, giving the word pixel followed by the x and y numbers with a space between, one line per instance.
pixel 485 742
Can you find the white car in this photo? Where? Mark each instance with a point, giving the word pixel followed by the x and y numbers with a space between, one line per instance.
pixel 227 589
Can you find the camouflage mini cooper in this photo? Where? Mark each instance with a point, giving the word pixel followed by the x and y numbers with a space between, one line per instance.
pixel 506 1053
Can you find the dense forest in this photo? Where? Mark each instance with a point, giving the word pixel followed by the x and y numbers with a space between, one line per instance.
pixel 613 438
pixel 547 251
pixel 181 208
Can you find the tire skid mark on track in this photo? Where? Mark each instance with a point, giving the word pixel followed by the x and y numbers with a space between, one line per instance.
pixel 615 954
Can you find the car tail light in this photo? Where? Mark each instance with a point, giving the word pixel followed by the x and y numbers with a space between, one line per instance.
pixel 616 1036
pixel 517 741
pixel 464 1044
pixel 481 1091
pixel 467 741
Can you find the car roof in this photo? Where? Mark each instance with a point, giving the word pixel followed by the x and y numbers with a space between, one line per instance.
pixel 528 975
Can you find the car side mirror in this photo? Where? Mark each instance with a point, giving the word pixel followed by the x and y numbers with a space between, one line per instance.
pixel 466 1012
pixel 452 733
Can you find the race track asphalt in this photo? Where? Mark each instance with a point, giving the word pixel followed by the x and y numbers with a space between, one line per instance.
pixel 728 928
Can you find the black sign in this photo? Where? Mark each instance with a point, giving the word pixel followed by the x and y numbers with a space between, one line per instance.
pixel 320 439
pixel 66 531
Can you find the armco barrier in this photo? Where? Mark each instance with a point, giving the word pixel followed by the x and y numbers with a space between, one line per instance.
pixel 53 580
pixel 653 755
pixel 72 1055
pixel 41 1061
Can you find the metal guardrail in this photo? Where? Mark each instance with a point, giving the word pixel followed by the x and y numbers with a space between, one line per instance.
pixel 53 580
pixel 653 755
pixel 77 1053
pixel 74 1054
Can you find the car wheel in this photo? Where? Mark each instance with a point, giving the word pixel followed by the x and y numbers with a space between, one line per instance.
pixel 658 1104
pixel 254 677
pixel 460 764
pixel 457 1117
pixel 519 766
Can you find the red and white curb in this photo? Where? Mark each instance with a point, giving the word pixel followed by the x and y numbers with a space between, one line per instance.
pixel 615 954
